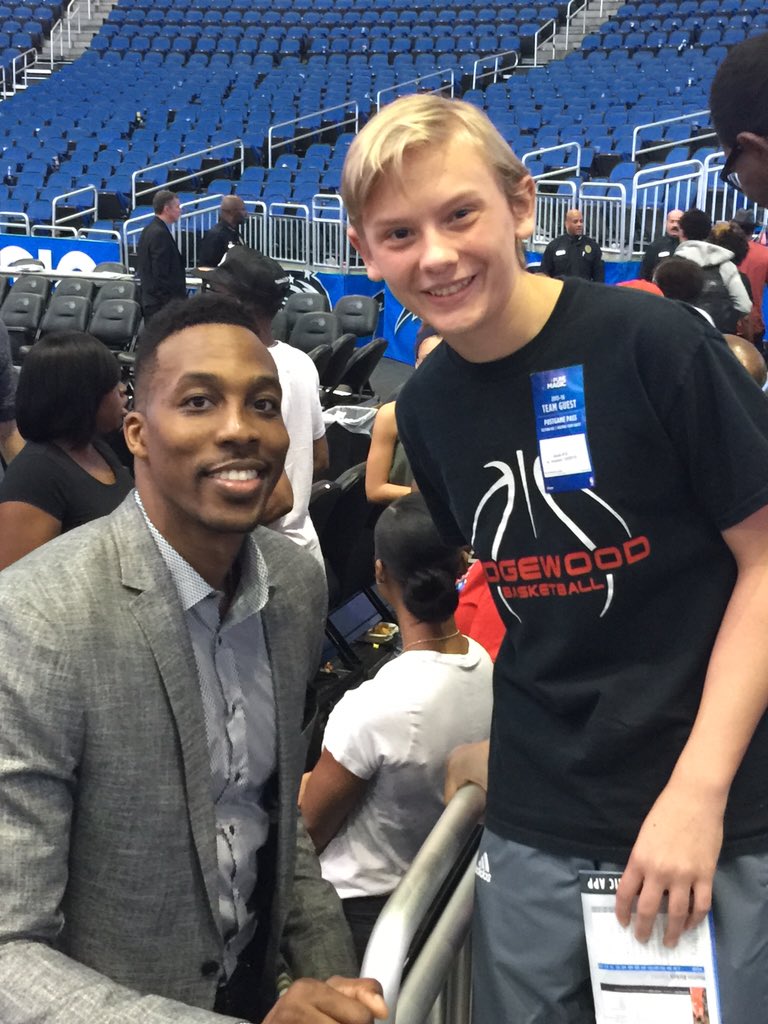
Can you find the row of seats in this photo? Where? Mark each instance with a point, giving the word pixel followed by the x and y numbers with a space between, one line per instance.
pixel 31 308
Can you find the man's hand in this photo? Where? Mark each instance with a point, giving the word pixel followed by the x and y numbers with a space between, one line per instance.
pixel 467 763
pixel 676 852
pixel 339 1000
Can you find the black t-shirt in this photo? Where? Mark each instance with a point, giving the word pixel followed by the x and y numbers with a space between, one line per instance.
pixel 612 596
pixel 45 476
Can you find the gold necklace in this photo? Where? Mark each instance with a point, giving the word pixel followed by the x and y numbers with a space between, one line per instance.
pixel 432 640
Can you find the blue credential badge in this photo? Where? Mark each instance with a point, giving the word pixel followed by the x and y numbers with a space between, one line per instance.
pixel 561 428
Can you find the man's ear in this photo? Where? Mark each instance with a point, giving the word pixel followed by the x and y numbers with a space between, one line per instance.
pixel 523 206
pixel 358 241
pixel 755 144
pixel 133 431
pixel 380 571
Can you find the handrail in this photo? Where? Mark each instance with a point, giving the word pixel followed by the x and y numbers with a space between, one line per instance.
pixel 570 15
pixel 495 57
pixel 557 171
pixel 399 920
pixel 427 976
pixel 80 213
pixel 237 161
pixel 440 73
pixel 65 21
pixel 22 220
pixel 53 231
pixel 656 124
pixel 355 119
pixel 537 42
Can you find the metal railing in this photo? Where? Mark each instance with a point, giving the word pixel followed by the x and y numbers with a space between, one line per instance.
pixel 572 11
pixel 655 190
pixel 719 200
pixel 447 79
pixel 289 234
pixel 62 29
pixel 561 171
pixel 272 146
pixel 681 119
pixel 551 209
pixel 13 220
pixel 53 231
pixel 410 903
pixel 237 161
pixel 329 232
pixel 500 65
pixel 540 42
pixel 87 211
pixel 604 207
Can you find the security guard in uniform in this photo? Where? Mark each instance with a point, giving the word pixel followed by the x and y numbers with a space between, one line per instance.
pixel 573 254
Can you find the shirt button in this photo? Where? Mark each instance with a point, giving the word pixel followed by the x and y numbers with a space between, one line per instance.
pixel 210 967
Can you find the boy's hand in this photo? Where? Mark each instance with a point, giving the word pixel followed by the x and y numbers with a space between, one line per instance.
pixel 676 852
pixel 467 763
pixel 337 1001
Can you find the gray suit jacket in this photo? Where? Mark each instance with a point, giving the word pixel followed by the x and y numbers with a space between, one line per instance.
pixel 108 873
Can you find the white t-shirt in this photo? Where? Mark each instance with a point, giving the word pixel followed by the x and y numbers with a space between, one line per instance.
pixel 303 417
pixel 397 730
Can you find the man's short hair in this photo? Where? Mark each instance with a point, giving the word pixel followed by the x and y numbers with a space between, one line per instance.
pixel 62 382
pixel 421 120
pixel 738 98
pixel 161 199
pixel 695 225
pixel 177 316
pixel 679 278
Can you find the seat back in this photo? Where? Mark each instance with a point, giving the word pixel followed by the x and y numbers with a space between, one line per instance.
pixel 123 290
pixel 75 286
pixel 361 365
pixel 66 313
pixel 304 302
pixel 31 284
pixel 313 329
pixel 347 540
pixel 322 501
pixel 320 356
pixel 21 313
pixel 115 322
pixel 341 353
pixel 111 268
pixel 358 315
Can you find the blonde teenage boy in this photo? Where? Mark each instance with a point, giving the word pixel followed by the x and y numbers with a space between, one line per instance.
pixel 608 460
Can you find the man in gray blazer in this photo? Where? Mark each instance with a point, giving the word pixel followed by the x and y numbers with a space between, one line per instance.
pixel 153 677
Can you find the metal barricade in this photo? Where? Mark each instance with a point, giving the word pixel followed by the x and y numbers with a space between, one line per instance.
pixel 88 211
pixel 10 219
pixel 254 231
pixel 562 171
pixel 408 906
pixel 53 231
pixel 237 161
pixel 695 118
pixel 352 121
pixel 288 233
pixel 551 208
pixel 501 65
pixel 656 190
pixel 445 75
pixel 604 206
pixel 329 232
pixel 719 200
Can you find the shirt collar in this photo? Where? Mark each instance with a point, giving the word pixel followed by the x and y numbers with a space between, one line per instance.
pixel 253 587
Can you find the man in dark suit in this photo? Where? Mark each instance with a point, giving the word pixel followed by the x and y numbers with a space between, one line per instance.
pixel 153 680
pixel 223 235
pixel 158 260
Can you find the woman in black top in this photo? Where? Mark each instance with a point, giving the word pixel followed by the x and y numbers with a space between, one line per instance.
pixel 69 392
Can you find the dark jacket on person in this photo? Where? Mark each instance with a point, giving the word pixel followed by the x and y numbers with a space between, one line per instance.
pixel 658 249
pixel 215 243
pixel 160 268
pixel 573 256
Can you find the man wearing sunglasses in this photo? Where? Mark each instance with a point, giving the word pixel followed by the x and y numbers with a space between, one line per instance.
pixel 739 104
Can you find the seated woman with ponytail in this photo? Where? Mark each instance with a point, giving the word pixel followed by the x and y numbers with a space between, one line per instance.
pixel 377 789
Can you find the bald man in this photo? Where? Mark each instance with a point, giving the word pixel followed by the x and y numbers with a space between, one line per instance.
pixel 749 358
pixel 661 247
pixel 223 235
pixel 573 254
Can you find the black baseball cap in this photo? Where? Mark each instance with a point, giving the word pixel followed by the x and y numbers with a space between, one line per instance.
pixel 250 277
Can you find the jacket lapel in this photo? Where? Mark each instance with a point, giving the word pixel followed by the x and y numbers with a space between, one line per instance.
pixel 158 614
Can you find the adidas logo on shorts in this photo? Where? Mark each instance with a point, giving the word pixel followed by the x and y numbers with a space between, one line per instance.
pixel 483 868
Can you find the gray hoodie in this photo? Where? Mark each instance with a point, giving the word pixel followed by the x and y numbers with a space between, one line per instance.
pixel 707 254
